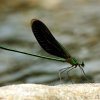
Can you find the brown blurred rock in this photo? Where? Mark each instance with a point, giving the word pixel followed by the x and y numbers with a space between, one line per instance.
pixel 15 5
pixel 44 92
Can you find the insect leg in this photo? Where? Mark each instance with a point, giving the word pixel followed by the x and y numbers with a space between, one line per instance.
pixel 69 71
pixel 62 71
pixel 84 73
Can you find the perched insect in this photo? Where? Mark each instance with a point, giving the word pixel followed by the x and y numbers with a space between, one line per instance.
pixel 51 46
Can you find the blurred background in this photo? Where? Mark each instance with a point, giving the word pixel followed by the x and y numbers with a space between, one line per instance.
pixel 74 23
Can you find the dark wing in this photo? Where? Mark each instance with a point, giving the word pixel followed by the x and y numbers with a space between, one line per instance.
pixel 47 41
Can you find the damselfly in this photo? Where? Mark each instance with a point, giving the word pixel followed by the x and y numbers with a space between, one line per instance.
pixel 51 46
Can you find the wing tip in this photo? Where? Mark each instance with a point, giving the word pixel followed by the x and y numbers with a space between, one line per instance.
pixel 34 20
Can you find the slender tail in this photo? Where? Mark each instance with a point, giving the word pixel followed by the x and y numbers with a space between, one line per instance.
pixel 4 48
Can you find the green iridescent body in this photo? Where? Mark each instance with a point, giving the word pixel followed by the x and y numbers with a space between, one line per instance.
pixel 73 61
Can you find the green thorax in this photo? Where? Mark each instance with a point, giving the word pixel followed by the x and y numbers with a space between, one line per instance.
pixel 73 61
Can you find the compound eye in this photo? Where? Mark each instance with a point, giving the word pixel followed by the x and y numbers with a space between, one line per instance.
pixel 82 64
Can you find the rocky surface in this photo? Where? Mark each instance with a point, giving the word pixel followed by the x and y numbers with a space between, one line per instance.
pixel 44 92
